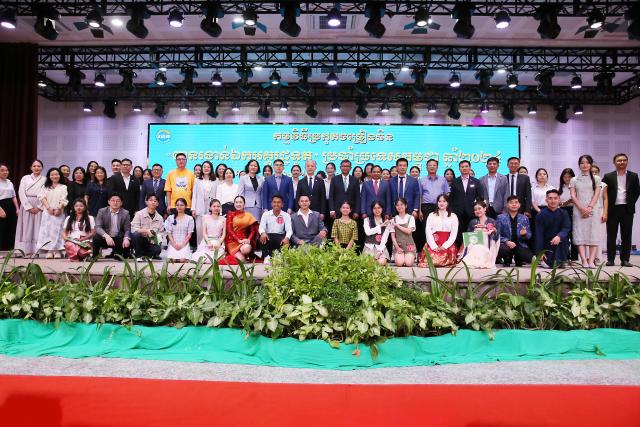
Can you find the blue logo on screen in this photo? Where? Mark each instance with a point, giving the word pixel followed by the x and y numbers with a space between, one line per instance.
pixel 163 136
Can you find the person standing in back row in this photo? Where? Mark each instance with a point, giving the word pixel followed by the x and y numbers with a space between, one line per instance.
pixel 127 186
pixel 623 190
pixel 519 185
pixel 465 190
pixel 344 188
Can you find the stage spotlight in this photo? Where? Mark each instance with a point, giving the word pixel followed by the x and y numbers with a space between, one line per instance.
pixel 454 111
pixel 454 81
pixel 532 109
pixel 334 17
pixel 502 18
pixel 100 80
pixel 212 107
pixel 216 79
pixel 422 18
pixel 432 107
pixel 632 15
pixel 384 108
pixel 604 83
pixel 212 11
pixel 176 18
pixel 135 25
pixel 545 83
pixel 160 78
pixel 576 82
pixel 8 19
pixel 561 113
pixel 578 109
pixel 512 81
pixel 290 11
pixel 75 79
pixel 407 111
pixel 263 111
pixel 484 107
pixel 507 112
pixel 361 109
pixel 42 80
pixel 87 107
pixel 127 80
pixel 46 17
pixel 110 108
pixel 303 84
pixel 189 74
pixel 361 86
pixel 245 74
pixel 547 14
pixel 235 106
pixel 595 19
pixel 332 79
pixel 117 22
pixel 250 17
pixel 374 10
pixel 389 79
pixel 501 69
pixel 335 107
pixel 484 79
pixel 184 107
pixel 418 74
pixel 136 107
pixel 462 13
pixel 274 78
pixel 284 105
pixel 311 109
pixel 257 67
pixel 161 109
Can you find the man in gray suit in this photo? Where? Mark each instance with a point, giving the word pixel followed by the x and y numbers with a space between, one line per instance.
pixel 497 187
pixel 113 228
pixel 308 228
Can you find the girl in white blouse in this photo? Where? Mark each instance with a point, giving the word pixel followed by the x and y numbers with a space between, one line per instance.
pixel 376 231
pixel 53 198
pixel 204 191
pixel 227 191
pixel 179 228
pixel 79 229
pixel 441 231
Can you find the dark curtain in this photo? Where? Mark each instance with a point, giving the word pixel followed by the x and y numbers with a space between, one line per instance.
pixel 18 107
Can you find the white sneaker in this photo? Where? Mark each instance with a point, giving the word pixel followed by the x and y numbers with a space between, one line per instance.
pixel 267 261
pixel 141 259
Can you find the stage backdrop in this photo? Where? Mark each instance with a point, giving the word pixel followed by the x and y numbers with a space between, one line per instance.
pixel 235 145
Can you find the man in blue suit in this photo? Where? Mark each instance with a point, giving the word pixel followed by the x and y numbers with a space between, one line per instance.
pixel 514 231
pixel 403 185
pixel 155 185
pixel 278 184
pixel 375 190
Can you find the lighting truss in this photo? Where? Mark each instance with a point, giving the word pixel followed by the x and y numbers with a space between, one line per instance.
pixel 532 59
pixel 392 7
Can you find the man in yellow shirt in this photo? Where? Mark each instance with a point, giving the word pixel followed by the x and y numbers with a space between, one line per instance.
pixel 179 183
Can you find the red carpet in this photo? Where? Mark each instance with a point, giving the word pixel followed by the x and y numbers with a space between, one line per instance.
pixel 77 401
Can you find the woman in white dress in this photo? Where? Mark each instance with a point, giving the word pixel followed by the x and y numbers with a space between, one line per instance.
pixel 585 193
pixel 30 214
pixel 204 191
pixel 213 232
pixel 441 230
pixel 376 231
pixel 227 191
pixel 79 228
pixel 250 187
pixel 179 228
pixel 53 198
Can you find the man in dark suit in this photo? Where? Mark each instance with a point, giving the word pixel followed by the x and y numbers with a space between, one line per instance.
pixel 344 187
pixel 155 186
pixel 497 187
pixel 465 189
pixel 375 190
pixel 623 190
pixel 278 184
pixel 113 228
pixel 519 185
pixel 403 185
pixel 307 226
pixel 127 186
pixel 312 186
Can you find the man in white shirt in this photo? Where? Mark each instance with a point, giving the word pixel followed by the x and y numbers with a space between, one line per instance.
pixel 307 226
pixel 519 185
pixel 275 228
pixel 497 187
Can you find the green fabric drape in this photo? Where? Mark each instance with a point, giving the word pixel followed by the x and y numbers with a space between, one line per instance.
pixel 201 344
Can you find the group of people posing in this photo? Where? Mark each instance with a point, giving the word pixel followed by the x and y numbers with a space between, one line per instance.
pixel 393 215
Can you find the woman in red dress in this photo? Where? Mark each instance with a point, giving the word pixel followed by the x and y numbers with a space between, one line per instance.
pixel 242 231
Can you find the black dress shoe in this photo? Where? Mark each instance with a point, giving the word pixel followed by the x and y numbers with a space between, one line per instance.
pixel 626 264
pixel 609 264
pixel 506 265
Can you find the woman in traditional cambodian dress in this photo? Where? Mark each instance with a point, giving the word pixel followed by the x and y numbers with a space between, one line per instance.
pixel 242 231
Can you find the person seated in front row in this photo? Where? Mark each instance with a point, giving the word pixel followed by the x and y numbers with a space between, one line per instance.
pixel 515 231
pixel 482 255
pixel 275 228
pixel 113 229
pixel 307 225
pixel 213 232
pixel 552 230
pixel 146 227
pixel 441 232
pixel 377 230
pixel 242 231
pixel 345 230
pixel 78 231
pixel 180 227
pixel 404 224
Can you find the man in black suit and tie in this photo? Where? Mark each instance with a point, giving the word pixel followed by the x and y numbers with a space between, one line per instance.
pixel 375 190
pixel 519 185
pixel 155 186
pixel 127 186
pixel 309 185
pixel 464 191
pixel 344 187
pixel 623 189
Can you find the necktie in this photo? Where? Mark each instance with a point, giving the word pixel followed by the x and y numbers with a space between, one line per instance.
pixel 375 187
pixel 513 184
pixel 346 182
pixel 401 188
pixel 155 186
pixel 278 183
pixel 310 183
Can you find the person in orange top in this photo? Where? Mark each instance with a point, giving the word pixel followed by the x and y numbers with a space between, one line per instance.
pixel 242 231
pixel 179 183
